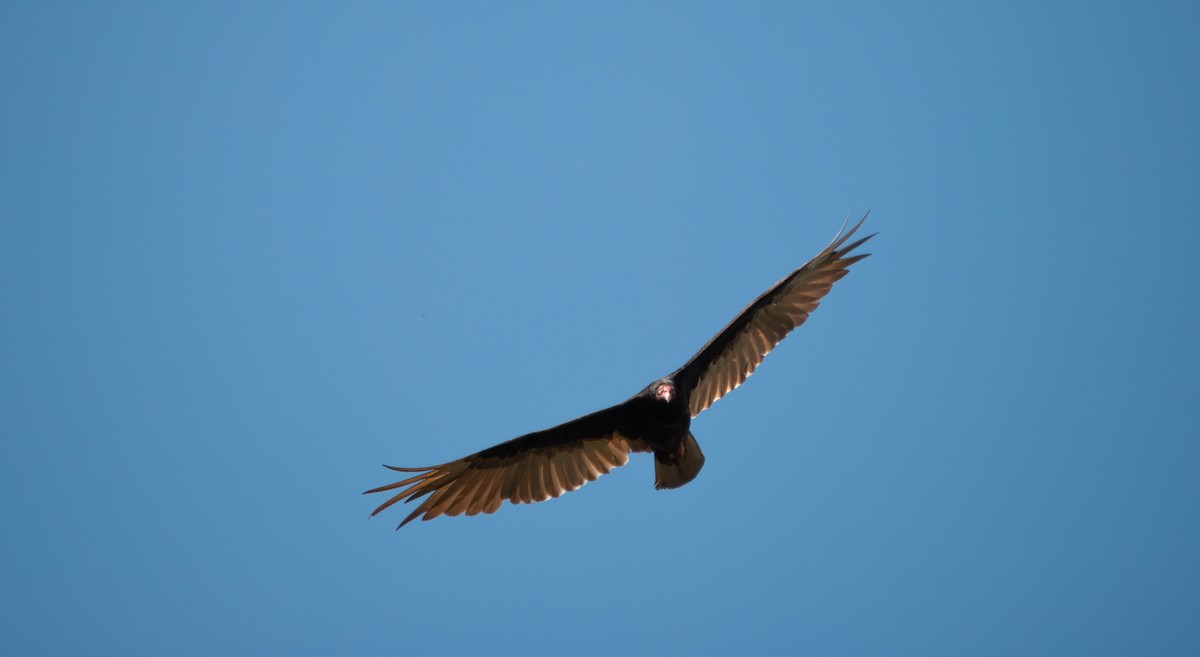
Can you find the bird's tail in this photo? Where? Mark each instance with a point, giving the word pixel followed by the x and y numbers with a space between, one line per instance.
pixel 674 469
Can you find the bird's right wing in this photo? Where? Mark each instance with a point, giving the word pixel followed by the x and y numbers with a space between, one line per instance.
pixel 733 354
pixel 533 468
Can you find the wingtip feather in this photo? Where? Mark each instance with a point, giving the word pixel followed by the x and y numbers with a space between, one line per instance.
pixel 843 235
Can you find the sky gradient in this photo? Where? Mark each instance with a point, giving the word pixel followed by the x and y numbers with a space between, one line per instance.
pixel 249 252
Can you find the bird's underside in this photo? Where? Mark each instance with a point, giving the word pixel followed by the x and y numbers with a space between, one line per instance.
pixel 545 464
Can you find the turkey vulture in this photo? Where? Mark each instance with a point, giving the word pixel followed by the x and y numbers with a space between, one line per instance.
pixel 548 463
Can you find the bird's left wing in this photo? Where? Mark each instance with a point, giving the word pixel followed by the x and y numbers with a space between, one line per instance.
pixel 733 354
pixel 533 468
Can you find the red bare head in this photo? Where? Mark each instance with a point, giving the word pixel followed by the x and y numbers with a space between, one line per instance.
pixel 664 391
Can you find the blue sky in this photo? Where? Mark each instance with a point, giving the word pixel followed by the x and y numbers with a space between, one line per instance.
pixel 250 251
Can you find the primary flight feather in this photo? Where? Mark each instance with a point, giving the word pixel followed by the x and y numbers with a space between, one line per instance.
pixel 545 464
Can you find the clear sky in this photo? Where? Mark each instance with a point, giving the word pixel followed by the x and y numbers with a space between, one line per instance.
pixel 251 251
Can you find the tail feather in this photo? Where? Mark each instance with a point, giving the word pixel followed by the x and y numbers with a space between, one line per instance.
pixel 672 470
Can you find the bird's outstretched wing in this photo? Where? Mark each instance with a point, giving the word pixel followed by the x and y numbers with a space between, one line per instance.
pixel 533 468
pixel 732 355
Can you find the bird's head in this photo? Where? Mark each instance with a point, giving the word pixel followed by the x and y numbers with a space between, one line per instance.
pixel 663 390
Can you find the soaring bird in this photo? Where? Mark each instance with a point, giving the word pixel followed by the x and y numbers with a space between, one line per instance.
pixel 545 464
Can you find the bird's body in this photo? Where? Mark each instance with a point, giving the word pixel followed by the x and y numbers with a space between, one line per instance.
pixel 544 464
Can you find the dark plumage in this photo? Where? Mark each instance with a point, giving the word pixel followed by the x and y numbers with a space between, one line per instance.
pixel 545 464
